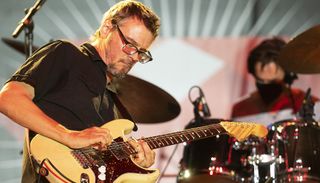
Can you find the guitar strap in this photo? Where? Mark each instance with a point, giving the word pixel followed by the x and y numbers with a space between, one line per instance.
pixel 27 139
pixel 123 110
pixel 30 165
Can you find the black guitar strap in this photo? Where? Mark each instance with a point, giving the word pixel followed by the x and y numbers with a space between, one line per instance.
pixel 123 110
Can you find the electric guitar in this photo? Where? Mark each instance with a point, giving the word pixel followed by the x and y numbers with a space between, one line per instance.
pixel 58 163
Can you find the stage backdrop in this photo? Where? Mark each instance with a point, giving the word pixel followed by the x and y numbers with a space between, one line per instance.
pixel 217 65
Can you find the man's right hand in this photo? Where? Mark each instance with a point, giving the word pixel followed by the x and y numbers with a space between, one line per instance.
pixel 16 103
pixel 97 137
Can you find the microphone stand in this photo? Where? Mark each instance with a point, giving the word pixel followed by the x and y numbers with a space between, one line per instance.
pixel 28 38
pixel 27 25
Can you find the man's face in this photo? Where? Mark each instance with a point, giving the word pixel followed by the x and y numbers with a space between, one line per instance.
pixel 119 63
pixel 268 73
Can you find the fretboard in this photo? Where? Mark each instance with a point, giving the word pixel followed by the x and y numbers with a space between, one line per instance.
pixel 123 149
pixel 184 136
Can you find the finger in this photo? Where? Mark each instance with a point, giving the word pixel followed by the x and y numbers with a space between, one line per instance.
pixel 99 141
pixel 134 144
pixel 105 133
pixel 149 155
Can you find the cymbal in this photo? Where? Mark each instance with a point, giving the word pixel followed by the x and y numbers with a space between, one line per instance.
pixel 302 54
pixel 17 45
pixel 146 102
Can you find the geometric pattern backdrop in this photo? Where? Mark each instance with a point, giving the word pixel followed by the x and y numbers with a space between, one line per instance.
pixel 202 43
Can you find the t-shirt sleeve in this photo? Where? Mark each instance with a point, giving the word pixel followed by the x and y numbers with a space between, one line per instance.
pixel 45 68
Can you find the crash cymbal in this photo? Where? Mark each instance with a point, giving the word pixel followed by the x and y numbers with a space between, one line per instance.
pixel 17 45
pixel 146 102
pixel 302 54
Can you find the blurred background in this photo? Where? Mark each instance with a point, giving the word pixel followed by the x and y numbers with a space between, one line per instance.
pixel 202 42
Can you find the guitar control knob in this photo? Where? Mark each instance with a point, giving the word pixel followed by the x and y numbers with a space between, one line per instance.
pixel 102 169
pixel 84 178
pixel 102 176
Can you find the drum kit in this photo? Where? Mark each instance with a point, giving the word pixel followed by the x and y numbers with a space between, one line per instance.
pixel 289 153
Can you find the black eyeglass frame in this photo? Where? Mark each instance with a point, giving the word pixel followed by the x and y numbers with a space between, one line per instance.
pixel 126 44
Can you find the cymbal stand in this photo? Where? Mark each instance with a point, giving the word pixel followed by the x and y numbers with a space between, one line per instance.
pixel 28 38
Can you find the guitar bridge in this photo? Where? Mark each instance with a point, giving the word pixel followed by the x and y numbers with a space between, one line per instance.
pixel 81 158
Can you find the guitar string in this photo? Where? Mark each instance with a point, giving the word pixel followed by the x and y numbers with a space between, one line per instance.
pixel 117 145
pixel 125 145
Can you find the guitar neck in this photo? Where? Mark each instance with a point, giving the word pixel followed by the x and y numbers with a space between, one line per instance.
pixel 184 136
pixel 124 149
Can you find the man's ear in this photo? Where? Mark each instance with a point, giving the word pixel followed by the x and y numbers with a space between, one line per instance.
pixel 105 29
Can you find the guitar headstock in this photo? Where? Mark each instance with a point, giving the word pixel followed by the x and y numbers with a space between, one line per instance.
pixel 242 130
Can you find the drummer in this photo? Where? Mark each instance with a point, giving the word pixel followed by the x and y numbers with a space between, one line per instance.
pixel 273 85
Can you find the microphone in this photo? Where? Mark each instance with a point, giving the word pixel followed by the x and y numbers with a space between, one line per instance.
pixel 199 104
pixel 204 104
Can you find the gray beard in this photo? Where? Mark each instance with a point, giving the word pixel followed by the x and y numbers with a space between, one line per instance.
pixel 114 73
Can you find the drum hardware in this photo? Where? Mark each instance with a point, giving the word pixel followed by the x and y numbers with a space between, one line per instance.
pixel 270 160
pixel 214 168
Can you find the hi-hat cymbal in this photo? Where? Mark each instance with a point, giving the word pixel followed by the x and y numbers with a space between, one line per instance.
pixel 302 54
pixel 146 102
pixel 17 45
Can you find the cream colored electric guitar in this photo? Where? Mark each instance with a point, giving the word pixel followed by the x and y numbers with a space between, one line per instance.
pixel 62 164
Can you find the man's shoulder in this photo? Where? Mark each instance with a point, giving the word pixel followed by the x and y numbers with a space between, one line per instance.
pixel 62 45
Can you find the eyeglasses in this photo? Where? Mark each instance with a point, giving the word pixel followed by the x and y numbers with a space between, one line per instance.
pixel 130 49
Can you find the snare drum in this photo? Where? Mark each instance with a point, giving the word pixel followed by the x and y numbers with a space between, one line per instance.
pixel 299 144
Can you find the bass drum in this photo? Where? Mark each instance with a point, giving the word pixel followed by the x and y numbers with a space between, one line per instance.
pixel 207 160
pixel 299 145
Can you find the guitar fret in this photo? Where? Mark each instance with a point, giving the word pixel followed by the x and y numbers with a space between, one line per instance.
pixel 159 143
pixel 204 133
pixel 185 135
pixel 197 134
pixel 170 138
pixel 211 133
pixel 182 137
pixel 177 141
pixel 165 140
pixel 188 134
pixel 151 144
pixel 192 135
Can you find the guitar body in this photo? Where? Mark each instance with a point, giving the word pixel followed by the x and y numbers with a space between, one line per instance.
pixel 62 166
